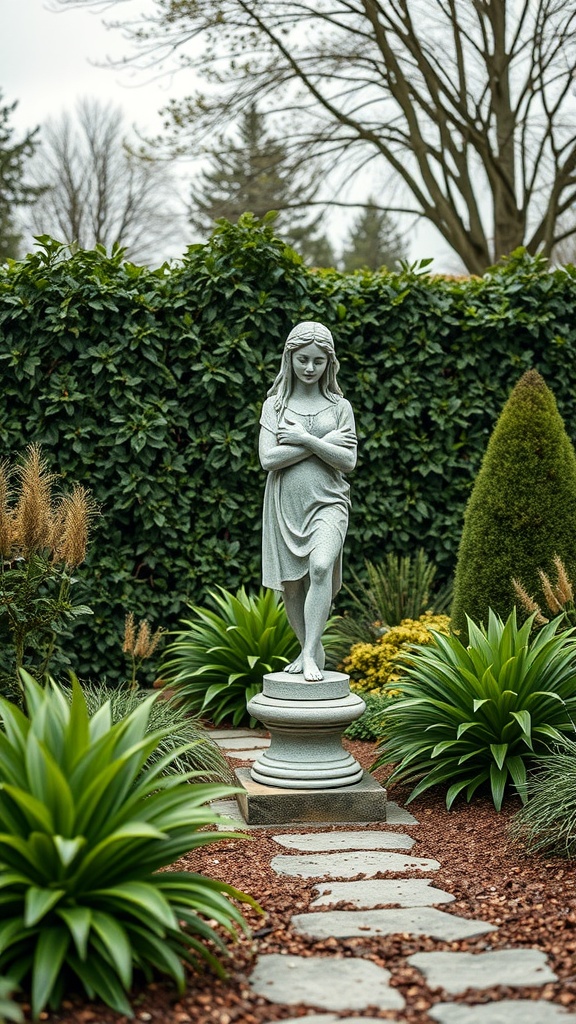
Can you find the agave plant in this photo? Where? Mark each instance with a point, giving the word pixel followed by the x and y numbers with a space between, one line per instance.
pixel 84 828
pixel 474 715
pixel 217 663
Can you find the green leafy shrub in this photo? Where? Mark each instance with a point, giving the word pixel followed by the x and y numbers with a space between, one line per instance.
pixel 146 386
pixel 369 726
pixel 474 715
pixel 547 821
pixel 374 667
pixel 85 824
pixel 185 737
pixel 218 662
pixel 522 509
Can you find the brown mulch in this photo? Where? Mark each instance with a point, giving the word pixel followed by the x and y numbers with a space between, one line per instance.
pixel 531 899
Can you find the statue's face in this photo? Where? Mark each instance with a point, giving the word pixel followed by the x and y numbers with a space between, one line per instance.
pixel 309 363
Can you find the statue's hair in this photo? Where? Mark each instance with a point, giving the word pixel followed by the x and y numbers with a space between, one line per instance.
pixel 306 333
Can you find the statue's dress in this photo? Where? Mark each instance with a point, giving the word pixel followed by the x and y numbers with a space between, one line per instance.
pixel 304 500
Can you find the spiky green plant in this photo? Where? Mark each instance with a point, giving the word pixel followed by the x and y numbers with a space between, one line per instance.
pixel 398 588
pixel 186 737
pixel 474 715
pixel 85 826
pixel 547 822
pixel 217 663
pixel 522 509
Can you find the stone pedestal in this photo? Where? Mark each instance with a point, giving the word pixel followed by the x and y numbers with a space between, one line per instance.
pixel 306 757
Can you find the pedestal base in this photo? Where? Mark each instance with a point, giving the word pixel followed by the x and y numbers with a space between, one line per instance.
pixel 306 721
pixel 269 805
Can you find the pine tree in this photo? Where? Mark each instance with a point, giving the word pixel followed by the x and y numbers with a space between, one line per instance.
pixel 374 241
pixel 254 175
pixel 522 509
pixel 14 191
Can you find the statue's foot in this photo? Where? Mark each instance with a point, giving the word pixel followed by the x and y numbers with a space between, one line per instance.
pixel 295 666
pixel 311 671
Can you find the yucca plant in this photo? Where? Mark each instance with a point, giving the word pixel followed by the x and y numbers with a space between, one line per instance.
pixel 83 832
pixel 217 663
pixel 474 715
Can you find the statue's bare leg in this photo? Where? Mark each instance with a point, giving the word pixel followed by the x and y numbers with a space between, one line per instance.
pixel 294 598
pixel 318 600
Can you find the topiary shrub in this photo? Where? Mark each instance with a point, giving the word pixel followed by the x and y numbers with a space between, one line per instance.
pixel 522 510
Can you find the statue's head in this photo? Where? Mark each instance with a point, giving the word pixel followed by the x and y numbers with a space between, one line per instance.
pixel 307 333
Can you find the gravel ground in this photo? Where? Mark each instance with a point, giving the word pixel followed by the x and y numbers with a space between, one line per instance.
pixel 532 900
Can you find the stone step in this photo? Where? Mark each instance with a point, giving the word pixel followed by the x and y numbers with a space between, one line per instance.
pixel 508 1011
pixel 402 892
pixel 456 972
pixel 243 743
pixel 347 924
pixel 348 865
pixel 326 983
pixel 316 842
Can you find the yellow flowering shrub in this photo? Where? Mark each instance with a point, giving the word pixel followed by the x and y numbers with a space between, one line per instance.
pixel 374 667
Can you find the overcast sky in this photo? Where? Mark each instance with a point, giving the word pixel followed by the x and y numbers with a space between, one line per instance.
pixel 50 59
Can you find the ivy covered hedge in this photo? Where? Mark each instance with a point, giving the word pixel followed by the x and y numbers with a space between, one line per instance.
pixel 146 387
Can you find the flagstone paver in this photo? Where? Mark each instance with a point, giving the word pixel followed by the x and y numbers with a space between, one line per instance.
pixel 345 924
pixel 329 983
pixel 403 892
pixel 315 842
pixel 244 743
pixel 456 972
pixel 508 1011
pixel 329 1018
pixel 348 865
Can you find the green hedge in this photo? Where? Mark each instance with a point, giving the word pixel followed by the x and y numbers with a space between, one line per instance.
pixel 146 386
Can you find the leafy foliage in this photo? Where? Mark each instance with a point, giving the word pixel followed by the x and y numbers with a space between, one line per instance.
pixel 218 662
pixel 370 725
pixel 397 588
pixel 522 510
pixel 547 822
pixel 185 738
pixel 85 824
pixel 9 1010
pixel 373 667
pixel 473 715
pixel 146 387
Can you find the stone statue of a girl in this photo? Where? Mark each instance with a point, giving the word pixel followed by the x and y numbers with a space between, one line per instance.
pixel 307 445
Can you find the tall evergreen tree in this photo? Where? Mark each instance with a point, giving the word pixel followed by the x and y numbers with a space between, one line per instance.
pixel 254 175
pixel 14 190
pixel 374 241
pixel 522 509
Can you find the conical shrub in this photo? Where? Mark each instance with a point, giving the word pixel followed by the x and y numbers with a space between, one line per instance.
pixel 522 510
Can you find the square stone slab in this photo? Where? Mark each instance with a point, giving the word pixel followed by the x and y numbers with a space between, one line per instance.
pixel 243 743
pixel 365 801
pixel 347 924
pixel 316 842
pixel 329 1018
pixel 456 972
pixel 348 865
pixel 329 983
pixel 508 1011
pixel 401 892
pixel 394 816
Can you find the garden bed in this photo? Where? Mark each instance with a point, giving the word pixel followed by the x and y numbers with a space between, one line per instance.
pixel 531 900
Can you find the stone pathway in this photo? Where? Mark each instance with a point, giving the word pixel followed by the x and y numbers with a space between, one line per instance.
pixel 384 907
